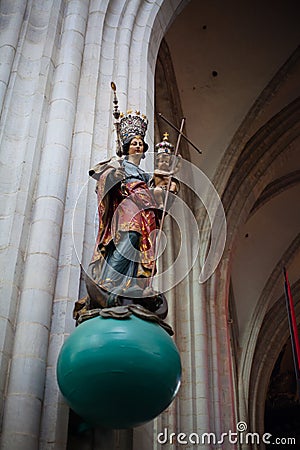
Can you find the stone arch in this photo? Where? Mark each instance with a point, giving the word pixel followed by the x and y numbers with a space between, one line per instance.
pixel 242 136
pixel 276 187
pixel 253 169
pixel 252 176
pixel 272 336
pixel 258 324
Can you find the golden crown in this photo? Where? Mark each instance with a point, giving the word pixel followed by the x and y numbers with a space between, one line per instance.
pixel 132 124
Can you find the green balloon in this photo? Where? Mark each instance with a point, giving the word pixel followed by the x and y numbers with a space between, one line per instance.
pixel 119 373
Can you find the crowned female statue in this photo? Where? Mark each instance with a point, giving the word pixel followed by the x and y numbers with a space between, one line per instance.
pixel 124 252
pixel 123 260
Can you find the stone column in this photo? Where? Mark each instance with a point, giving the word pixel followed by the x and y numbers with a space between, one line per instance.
pixel 79 213
pixel 27 376
pixel 22 128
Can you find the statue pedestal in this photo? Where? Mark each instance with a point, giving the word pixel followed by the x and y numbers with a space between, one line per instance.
pixel 119 373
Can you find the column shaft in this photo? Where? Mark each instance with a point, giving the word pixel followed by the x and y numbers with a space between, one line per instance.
pixel 27 375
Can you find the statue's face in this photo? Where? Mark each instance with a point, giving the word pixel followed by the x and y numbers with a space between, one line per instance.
pixel 163 161
pixel 136 146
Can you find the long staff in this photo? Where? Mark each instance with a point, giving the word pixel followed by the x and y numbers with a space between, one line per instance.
pixel 116 114
pixel 165 202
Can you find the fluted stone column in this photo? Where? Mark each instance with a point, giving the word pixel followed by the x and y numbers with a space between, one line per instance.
pixel 25 393
pixel 26 96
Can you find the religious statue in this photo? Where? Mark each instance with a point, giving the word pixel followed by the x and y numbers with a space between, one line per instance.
pixel 129 207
